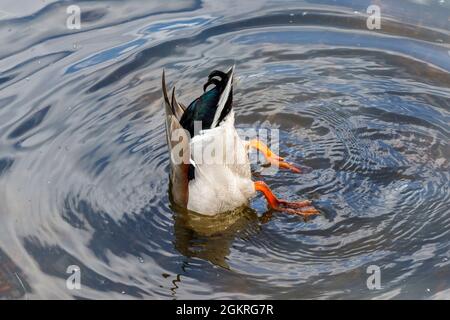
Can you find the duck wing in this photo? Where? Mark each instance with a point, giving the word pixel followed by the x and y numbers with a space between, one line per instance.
pixel 178 143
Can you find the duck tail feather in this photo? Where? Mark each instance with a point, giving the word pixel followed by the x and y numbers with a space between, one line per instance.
pixel 227 94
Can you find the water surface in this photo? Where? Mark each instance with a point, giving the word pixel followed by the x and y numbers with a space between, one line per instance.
pixel 84 165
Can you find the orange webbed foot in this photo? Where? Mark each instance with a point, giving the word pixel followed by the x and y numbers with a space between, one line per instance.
pixel 303 208
pixel 273 158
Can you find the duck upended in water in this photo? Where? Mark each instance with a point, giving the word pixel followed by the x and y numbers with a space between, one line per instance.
pixel 221 181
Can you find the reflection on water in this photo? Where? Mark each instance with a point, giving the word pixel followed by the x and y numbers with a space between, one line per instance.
pixel 84 165
pixel 12 282
pixel 211 237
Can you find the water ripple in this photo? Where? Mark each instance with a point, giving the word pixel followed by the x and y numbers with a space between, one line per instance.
pixel 84 163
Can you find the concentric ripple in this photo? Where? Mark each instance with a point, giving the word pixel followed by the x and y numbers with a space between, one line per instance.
pixel 84 165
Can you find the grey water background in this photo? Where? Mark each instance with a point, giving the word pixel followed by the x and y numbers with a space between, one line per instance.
pixel 84 165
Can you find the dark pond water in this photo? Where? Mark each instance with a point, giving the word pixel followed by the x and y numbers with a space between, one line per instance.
pixel 84 165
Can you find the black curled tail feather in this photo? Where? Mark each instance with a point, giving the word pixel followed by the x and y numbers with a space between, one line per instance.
pixel 213 105
pixel 212 79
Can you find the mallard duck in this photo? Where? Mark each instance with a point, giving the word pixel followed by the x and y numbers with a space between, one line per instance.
pixel 221 185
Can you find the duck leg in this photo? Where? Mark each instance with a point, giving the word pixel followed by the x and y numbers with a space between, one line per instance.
pixel 271 157
pixel 303 208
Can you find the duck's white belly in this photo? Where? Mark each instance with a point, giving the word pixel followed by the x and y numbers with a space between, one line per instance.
pixel 222 177
pixel 224 192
